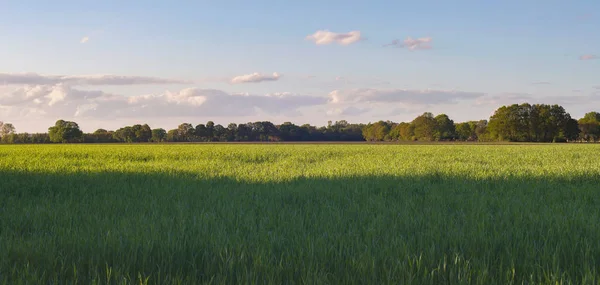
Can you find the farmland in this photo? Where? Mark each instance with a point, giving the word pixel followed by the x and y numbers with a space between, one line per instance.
pixel 316 214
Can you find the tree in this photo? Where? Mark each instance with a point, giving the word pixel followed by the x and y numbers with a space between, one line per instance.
pixel 65 132
pixel 530 123
pixel 173 136
pixel 590 127
pixel 143 133
pixel 201 132
pixel 378 131
pixel 210 128
pixel 425 127
pixel 465 131
pixel 444 128
pixel 6 129
pixel 99 136
pixel 186 132
pixel 125 134
pixel 571 130
pixel 232 129
pixel 158 135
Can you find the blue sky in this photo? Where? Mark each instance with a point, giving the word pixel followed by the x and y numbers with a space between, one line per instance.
pixel 177 60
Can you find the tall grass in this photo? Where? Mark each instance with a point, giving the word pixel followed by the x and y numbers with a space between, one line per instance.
pixel 316 214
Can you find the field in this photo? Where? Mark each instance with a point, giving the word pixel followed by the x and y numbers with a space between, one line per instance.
pixel 300 214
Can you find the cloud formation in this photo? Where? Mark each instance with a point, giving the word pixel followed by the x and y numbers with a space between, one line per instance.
pixel 255 78
pixel 347 111
pixel 504 98
pixel 587 57
pixel 541 83
pixel 412 44
pixel 520 98
pixel 62 100
pixel 84 40
pixel 325 37
pixel 413 97
pixel 81 80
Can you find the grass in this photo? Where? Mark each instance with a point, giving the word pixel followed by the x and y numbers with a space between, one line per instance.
pixel 300 214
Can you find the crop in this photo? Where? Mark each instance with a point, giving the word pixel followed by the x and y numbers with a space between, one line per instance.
pixel 296 213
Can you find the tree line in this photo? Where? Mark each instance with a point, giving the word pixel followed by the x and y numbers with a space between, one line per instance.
pixel 514 123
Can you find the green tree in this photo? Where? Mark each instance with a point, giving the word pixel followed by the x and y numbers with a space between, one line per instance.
pixel 173 136
pixel 444 128
pixel 590 127
pixel 6 129
pixel 186 132
pixel 158 135
pixel 425 127
pixel 378 131
pixel 65 132
pixel 465 131
pixel 125 134
pixel 143 133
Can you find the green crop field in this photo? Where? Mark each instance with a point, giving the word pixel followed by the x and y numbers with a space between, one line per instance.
pixel 300 214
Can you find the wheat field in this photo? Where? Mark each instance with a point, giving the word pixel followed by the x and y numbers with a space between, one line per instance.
pixel 300 214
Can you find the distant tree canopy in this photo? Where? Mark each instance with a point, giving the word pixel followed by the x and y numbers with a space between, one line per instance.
pixel 532 123
pixel 515 123
pixel 590 127
pixel 65 132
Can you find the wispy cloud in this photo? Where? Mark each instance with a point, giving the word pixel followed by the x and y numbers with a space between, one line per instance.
pixel 504 98
pixel 347 111
pixel 40 79
pixel 412 44
pixel 541 83
pixel 520 98
pixel 588 57
pixel 418 97
pixel 84 40
pixel 255 78
pixel 325 37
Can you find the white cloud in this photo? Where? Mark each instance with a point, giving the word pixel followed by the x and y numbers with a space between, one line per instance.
pixel 64 101
pixel 325 37
pixel 520 98
pixel 84 40
pixel 411 97
pixel 541 83
pixel 39 79
pixel 588 57
pixel 413 44
pixel 255 78
pixel 347 111
pixel 504 99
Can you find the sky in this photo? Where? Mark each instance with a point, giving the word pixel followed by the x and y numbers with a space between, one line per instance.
pixel 107 64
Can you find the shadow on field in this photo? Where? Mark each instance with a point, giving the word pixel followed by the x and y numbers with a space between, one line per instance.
pixel 110 227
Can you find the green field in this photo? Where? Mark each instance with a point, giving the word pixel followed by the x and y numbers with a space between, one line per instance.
pixel 300 214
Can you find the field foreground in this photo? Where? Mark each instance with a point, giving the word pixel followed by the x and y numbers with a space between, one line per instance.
pixel 311 214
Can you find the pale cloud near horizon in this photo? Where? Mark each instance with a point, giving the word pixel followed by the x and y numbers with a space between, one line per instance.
pixel 541 83
pixel 84 40
pixel 61 100
pixel 39 79
pixel 416 97
pixel 521 98
pixel 413 44
pixel 347 111
pixel 588 57
pixel 325 37
pixel 255 78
